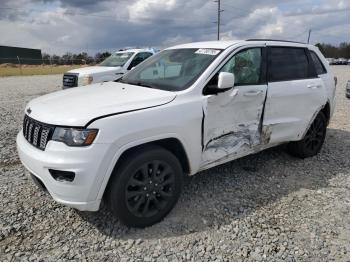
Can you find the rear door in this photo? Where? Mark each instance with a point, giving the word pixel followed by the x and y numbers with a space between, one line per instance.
pixel 295 93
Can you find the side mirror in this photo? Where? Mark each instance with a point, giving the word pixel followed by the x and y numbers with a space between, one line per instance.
pixel 226 81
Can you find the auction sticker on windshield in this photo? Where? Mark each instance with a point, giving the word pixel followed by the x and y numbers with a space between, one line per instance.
pixel 207 51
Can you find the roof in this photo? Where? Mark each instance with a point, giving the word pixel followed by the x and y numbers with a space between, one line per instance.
pixel 135 50
pixel 208 44
pixel 227 43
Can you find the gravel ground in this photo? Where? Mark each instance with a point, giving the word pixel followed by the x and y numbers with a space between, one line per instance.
pixel 264 207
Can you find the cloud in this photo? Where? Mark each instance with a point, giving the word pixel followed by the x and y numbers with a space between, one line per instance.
pixel 58 26
pixel 12 10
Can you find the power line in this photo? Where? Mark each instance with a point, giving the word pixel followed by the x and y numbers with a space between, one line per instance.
pixel 243 12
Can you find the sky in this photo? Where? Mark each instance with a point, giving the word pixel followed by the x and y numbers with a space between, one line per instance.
pixel 60 26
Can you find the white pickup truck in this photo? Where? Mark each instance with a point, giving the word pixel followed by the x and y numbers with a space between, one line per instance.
pixel 185 109
pixel 111 69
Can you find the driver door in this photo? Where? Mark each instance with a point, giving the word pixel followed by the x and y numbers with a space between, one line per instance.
pixel 232 119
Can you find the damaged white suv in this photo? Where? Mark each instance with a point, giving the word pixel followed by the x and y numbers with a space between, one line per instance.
pixel 183 110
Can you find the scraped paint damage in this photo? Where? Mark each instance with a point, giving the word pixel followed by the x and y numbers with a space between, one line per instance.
pixel 236 139
pixel 265 135
pixel 234 142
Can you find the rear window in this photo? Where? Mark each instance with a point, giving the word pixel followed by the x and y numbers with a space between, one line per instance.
pixel 287 63
pixel 320 69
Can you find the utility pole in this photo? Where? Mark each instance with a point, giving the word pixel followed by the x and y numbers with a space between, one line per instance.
pixel 219 18
pixel 308 38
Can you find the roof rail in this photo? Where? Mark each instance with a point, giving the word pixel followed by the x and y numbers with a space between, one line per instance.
pixel 275 40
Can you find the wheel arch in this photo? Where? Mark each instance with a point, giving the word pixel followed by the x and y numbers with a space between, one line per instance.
pixel 172 144
pixel 326 110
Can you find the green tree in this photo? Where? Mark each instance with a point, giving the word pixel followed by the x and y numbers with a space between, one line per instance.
pixel 99 57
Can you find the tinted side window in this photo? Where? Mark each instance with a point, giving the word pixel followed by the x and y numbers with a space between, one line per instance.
pixel 320 69
pixel 246 66
pixel 136 60
pixel 286 63
pixel 138 57
pixel 146 55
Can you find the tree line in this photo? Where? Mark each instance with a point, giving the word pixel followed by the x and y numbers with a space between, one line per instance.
pixel 328 50
pixel 332 51
pixel 74 59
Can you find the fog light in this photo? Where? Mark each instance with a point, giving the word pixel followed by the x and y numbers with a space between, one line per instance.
pixel 62 176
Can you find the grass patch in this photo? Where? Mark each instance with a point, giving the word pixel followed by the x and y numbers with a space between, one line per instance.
pixel 27 70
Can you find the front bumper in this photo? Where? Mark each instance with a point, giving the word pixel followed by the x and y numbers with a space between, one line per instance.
pixel 88 163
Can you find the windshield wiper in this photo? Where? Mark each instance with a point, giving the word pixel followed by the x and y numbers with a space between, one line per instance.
pixel 142 84
pixel 121 80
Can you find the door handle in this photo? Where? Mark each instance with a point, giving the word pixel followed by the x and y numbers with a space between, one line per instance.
pixel 252 93
pixel 234 93
pixel 313 86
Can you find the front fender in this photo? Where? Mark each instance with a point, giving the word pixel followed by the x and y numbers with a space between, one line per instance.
pixel 122 149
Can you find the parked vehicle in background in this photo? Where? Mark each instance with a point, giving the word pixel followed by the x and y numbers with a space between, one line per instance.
pixel 111 69
pixel 347 90
pixel 331 61
pixel 186 109
pixel 341 61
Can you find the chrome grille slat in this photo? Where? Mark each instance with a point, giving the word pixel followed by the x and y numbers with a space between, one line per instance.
pixel 30 129
pixel 43 139
pixel 70 80
pixel 37 133
pixel 26 130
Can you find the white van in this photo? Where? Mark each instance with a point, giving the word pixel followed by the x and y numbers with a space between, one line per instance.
pixel 111 69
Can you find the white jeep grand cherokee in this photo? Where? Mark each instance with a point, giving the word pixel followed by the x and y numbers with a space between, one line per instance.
pixel 185 109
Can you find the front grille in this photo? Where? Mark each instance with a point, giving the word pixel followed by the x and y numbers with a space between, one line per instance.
pixel 70 80
pixel 37 133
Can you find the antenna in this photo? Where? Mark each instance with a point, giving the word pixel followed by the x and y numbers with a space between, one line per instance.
pixel 308 38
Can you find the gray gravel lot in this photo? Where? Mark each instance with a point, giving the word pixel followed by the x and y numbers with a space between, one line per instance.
pixel 264 207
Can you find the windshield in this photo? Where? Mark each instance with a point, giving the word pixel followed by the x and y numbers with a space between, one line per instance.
pixel 171 70
pixel 117 59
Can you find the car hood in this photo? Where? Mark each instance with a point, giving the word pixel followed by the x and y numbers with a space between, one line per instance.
pixel 91 70
pixel 77 106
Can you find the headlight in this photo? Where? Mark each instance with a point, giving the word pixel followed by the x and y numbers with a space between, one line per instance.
pixel 74 137
pixel 85 80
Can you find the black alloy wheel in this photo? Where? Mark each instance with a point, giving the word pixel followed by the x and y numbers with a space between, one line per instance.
pixel 150 188
pixel 145 186
pixel 315 135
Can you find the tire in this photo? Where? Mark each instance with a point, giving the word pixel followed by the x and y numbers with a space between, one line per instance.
pixel 145 186
pixel 313 140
